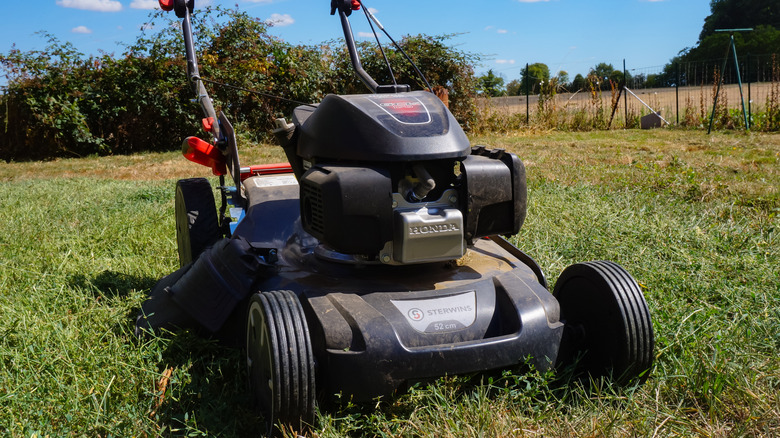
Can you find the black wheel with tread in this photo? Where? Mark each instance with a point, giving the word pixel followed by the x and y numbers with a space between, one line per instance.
pixel 280 360
pixel 607 322
pixel 197 226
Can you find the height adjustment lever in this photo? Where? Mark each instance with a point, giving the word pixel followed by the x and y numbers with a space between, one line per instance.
pixel 181 7
pixel 346 6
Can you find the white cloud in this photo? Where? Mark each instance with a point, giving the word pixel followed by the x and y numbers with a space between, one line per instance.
pixel 280 20
pixel 492 28
pixel 373 10
pixel 145 4
pixel 81 29
pixel 92 5
pixel 505 61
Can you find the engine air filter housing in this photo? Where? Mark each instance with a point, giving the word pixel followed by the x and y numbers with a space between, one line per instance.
pixel 348 207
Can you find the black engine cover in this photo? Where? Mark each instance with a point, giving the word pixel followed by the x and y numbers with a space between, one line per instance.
pixel 349 208
pixel 495 193
pixel 381 128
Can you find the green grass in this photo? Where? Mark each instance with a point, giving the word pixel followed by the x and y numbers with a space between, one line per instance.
pixel 693 218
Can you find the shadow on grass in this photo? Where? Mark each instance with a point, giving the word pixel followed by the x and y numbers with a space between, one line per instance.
pixel 208 392
pixel 207 387
pixel 112 284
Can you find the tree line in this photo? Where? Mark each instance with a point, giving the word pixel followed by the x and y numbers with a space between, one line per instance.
pixel 691 66
pixel 536 79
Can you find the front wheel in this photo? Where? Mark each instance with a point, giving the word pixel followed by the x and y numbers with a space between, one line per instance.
pixel 608 330
pixel 280 360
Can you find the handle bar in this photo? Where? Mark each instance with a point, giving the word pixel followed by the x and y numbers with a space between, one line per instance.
pixel 183 9
pixel 345 8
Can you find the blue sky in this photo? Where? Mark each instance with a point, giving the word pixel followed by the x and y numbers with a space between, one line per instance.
pixel 570 35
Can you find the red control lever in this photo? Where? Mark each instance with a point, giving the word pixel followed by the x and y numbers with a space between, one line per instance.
pixel 198 151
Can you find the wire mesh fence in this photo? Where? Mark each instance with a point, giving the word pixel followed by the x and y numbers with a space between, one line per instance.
pixel 682 93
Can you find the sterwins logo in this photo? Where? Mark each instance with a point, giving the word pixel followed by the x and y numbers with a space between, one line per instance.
pixel 436 315
pixel 449 310
pixel 433 229
pixel 416 314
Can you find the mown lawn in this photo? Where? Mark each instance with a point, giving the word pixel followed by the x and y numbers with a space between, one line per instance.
pixel 694 218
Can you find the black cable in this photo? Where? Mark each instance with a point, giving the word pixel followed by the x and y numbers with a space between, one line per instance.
pixel 414 66
pixel 422 76
pixel 376 36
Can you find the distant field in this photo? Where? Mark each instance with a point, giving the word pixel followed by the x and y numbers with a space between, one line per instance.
pixel 659 99
pixel 695 218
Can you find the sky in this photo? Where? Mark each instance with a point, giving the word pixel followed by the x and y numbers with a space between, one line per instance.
pixel 568 35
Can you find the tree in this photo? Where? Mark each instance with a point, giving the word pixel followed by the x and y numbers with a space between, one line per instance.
pixel 606 73
pixel 602 72
pixel 490 84
pixel 761 15
pixel 514 88
pixel 533 76
pixel 579 83
pixel 563 79
pixel 735 14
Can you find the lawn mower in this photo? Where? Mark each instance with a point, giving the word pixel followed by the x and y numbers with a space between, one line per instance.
pixel 376 257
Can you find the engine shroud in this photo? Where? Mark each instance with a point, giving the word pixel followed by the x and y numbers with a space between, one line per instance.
pixel 361 160
pixel 380 128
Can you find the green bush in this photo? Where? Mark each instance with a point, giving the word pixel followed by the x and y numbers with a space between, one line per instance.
pixel 60 103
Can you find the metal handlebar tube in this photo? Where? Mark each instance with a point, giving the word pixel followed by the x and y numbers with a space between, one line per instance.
pixel 345 8
pixel 367 80
pixel 193 75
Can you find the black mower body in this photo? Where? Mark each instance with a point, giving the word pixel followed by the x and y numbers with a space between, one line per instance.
pixel 375 260
pixel 376 328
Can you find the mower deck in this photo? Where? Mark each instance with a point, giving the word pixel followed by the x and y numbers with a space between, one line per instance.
pixel 374 327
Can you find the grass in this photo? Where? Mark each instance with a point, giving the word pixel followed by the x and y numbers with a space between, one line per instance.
pixel 693 218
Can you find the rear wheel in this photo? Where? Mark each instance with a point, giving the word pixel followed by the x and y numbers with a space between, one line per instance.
pixel 608 330
pixel 197 226
pixel 280 360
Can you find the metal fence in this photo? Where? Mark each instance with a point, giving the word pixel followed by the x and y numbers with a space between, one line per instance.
pixel 673 90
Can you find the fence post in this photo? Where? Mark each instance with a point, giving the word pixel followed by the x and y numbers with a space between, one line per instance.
pixel 677 93
pixel 747 76
pixel 625 82
pixel 527 93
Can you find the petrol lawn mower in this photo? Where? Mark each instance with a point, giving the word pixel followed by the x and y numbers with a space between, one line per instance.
pixel 374 259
